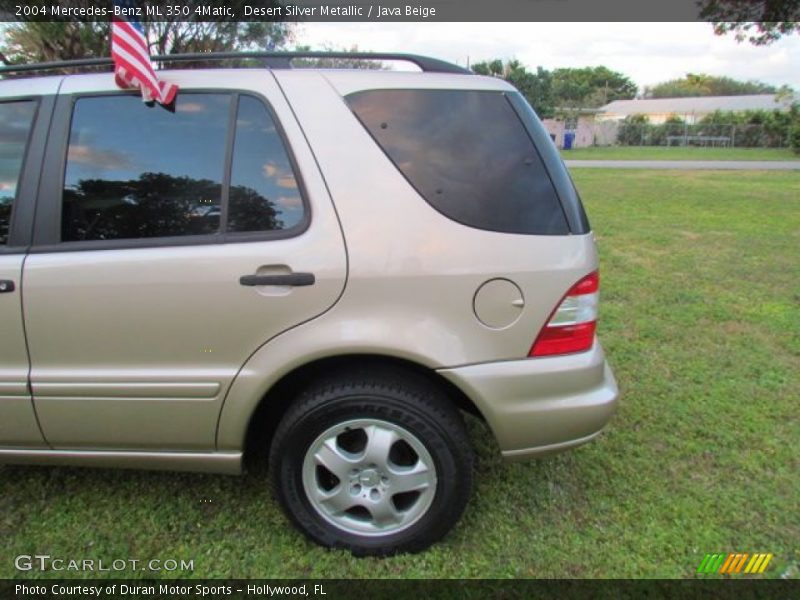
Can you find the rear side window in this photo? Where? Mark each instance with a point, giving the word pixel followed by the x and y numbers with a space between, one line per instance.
pixel 264 193
pixel 135 172
pixel 467 154
pixel 16 119
pixel 139 172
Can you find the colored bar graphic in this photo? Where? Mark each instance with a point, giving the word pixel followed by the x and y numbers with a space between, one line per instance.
pixel 704 563
pixel 765 563
pixel 711 563
pixel 752 563
pixel 740 564
pixel 757 566
pixel 714 567
pixel 730 560
pixel 734 562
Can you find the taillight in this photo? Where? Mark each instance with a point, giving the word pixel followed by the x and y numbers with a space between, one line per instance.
pixel 571 326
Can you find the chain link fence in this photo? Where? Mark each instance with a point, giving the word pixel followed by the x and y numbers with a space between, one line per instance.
pixel 697 134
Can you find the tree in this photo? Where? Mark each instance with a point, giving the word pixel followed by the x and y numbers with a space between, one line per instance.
pixel 699 84
pixel 157 205
pixel 760 23
pixel 40 41
pixel 177 37
pixel 794 137
pixel 494 68
pixel 336 63
pixel 563 89
pixel 590 87
pixel 536 87
pixel 32 41
pixel 633 130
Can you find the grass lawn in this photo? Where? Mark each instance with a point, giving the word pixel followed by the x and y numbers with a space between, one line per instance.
pixel 677 153
pixel 701 297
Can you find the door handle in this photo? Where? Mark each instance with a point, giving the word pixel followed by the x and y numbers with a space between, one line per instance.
pixel 6 285
pixel 290 279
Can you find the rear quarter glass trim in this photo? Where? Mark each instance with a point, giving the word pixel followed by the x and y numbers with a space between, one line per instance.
pixel 23 205
pixel 550 220
pixel 559 175
pixel 47 231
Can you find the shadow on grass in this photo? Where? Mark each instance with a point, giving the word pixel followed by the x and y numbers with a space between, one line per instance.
pixel 105 500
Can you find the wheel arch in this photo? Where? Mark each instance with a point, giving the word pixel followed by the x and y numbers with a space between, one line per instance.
pixel 269 410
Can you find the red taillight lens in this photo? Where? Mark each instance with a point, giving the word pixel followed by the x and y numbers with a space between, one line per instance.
pixel 572 325
pixel 588 285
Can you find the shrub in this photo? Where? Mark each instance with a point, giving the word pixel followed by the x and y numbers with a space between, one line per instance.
pixel 794 137
pixel 633 130
pixel 745 129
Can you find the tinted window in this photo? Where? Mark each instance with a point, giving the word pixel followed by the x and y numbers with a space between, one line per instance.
pixel 15 125
pixel 468 154
pixel 139 172
pixel 264 195
pixel 565 188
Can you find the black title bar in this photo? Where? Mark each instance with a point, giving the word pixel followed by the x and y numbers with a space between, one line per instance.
pixel 416 10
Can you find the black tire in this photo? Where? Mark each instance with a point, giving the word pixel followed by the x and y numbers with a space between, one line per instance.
pixel 403 400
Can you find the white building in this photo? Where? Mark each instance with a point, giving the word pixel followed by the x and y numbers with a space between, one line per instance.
pixel 690 110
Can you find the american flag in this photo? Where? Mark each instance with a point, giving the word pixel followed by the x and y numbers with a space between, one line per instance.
pixel 132 66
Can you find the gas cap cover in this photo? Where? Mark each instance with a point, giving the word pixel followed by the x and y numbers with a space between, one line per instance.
pixel 498 303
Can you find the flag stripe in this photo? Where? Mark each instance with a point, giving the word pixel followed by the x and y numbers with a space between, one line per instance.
pixel 131 54
pixel 133 34
pixel 133 63
pixel 123 41
pixel 137 78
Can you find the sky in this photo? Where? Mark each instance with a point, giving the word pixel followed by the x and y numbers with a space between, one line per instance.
pixel 648 53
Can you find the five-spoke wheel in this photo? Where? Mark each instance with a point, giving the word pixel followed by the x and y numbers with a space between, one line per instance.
pixel 369 476
pixel 375 462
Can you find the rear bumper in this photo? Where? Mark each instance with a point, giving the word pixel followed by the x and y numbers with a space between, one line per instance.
pixel 539 406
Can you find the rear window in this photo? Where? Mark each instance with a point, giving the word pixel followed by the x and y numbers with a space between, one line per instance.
pixel 468 155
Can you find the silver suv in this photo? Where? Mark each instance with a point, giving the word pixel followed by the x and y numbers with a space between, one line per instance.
pixel 334 262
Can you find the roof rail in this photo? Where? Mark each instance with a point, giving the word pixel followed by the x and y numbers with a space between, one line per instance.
pixel 271 60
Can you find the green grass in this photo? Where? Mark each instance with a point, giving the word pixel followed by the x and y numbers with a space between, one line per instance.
pixel 701 291
pixel 677 153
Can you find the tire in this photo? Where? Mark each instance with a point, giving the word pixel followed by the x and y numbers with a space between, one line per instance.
pixel 374 461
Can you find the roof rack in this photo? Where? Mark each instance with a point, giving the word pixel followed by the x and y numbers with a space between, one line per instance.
pixel 271 60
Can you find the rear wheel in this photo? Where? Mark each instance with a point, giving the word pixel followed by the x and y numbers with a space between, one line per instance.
pixel 376 463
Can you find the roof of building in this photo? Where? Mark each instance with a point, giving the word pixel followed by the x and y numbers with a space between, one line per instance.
pixel 700 104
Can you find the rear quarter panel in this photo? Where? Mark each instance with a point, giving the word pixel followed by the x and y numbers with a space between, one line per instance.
pixel 413 273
